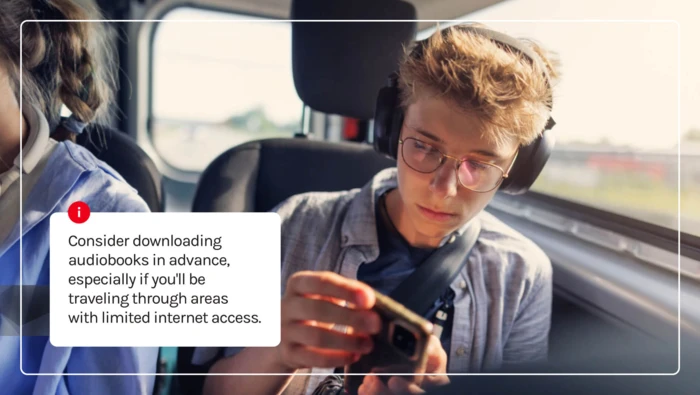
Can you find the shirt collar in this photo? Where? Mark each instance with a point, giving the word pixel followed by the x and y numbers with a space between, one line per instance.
pixel 360 224
pixel 32 151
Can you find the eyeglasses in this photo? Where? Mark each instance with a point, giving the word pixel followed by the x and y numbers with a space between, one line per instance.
pixel 474 175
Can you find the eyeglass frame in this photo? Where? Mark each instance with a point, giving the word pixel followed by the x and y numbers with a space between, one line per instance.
pixel 504 173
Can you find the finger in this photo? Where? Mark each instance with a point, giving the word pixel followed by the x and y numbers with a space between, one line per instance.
pixel 312 323
pixel 372 385
pixel 303 309
pixel 321 358
pixel 435 381
pixel 437 357
pixel 319 337
pixel 338 301
pixel 334 285
pixel 327 325
pixel 397 385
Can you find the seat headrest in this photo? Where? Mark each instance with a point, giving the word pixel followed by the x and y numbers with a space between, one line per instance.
pixel 339 67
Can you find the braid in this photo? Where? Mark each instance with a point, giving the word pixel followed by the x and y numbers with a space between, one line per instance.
pixel 34 49
pixel 78 87
pixel 63 63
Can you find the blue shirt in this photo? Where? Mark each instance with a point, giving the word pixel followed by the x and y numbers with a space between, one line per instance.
pixel 71 174
pixel 397 260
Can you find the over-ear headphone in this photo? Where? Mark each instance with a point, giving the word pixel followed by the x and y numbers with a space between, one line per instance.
pixel 388 120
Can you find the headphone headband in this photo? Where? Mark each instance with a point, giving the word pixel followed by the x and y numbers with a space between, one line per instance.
pixel 513 43
pixel 498 38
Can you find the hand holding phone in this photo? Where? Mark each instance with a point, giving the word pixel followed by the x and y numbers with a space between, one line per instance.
pixel 313 306
pixel 400 347
pixel 435 376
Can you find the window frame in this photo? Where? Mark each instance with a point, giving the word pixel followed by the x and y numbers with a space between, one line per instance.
pixel 657 236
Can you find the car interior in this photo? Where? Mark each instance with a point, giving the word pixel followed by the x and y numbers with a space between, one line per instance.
pixel 626 285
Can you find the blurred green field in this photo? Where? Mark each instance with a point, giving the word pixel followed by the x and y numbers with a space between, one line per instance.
pixel 651 201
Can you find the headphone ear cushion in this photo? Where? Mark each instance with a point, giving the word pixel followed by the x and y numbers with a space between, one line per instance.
pixel 396 125
pixel 384 117
pixel 529 164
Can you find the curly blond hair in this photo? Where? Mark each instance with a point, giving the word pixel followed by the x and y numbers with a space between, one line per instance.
pixel 503 87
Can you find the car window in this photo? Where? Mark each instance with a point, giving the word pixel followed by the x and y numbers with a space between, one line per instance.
pixel 617 111
pixel 214 88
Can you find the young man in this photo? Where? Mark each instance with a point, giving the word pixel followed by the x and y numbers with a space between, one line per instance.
pixel 470 103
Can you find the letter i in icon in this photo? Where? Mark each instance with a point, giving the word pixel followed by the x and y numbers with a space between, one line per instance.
pixel 79 212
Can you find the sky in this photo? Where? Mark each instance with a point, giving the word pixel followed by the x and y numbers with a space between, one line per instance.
pixel 637 63
pixel 619 79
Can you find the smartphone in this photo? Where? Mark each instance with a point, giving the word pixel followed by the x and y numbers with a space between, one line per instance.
pixel 400 347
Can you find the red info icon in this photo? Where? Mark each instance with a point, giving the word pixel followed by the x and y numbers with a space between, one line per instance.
pixel 79 212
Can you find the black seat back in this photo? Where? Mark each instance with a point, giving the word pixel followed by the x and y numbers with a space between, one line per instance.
pixel 258 175
pixel 121 152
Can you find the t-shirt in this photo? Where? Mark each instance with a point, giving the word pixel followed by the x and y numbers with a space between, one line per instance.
pixel 397 260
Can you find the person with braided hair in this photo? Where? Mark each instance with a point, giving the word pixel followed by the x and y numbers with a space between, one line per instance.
pixel 60 64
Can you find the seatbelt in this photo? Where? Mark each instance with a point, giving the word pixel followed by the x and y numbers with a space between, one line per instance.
pixel 428 282
pixel 422 288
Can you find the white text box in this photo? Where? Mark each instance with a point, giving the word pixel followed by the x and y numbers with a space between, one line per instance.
pixel 110 285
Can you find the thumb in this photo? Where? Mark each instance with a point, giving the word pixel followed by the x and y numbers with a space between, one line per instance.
pixel 437 357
